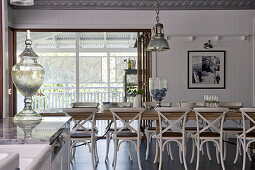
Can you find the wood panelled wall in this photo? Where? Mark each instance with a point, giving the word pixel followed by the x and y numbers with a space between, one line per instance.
pixel 1 62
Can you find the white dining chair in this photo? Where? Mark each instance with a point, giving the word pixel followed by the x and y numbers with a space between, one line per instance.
pixel 150 130
pixel 177 133
pixel 133 136
pixel 231 105
pixel 110 130
pixel 212 132
pixel 192 129
pixel 231 131
pixel 84 131
pixel 247 136
pixel 190 105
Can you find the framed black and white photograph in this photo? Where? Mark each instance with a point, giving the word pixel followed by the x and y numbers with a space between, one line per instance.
pixel 206 69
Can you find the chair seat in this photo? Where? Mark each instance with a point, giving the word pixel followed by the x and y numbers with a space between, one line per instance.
pixel 126 134
pixel 249 135
pixel 153 128
pixel 172 134
pixel 192 128
pixel 209 134
pixel 233 129
pixel 80 135
pixel 112 129
pixel 89 129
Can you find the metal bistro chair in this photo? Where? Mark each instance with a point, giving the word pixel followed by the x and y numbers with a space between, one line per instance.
pixel 84 131
pixel 206 135
pixel 177 134
pixel 132 136
pixel 247 136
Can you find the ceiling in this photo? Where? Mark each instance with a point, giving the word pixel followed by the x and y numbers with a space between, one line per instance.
pixel 53 40
pixel 142 4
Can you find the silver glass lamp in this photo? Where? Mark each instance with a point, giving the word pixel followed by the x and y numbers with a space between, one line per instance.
pixel 158 42
pixel 27 76
pixel 22 2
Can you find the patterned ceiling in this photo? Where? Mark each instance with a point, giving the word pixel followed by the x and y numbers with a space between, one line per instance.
pixel 142 4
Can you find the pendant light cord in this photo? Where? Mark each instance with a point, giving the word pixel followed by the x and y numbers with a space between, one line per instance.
pixel 157 11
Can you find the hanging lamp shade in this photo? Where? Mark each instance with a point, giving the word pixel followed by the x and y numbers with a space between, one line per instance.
pixel 158 42
pixel 22 2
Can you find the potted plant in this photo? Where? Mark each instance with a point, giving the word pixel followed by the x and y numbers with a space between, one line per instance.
pixel 132 90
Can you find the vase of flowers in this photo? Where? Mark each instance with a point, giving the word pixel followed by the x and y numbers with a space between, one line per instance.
pixel 137 94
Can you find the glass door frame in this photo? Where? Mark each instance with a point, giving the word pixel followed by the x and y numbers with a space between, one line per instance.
pixel 13 98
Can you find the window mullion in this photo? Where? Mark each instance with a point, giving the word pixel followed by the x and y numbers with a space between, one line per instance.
pixel 77 66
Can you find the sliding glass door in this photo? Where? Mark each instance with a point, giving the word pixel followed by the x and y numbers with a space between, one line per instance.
pixel 80 66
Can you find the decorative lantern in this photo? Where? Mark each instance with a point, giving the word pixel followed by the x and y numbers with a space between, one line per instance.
pixel 27 76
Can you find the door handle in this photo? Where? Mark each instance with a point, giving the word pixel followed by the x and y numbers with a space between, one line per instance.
pixel 10 92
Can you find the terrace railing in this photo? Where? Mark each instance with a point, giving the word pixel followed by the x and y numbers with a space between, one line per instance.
pixel 62 98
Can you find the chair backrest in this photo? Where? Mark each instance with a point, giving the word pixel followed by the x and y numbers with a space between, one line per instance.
pixel 231 105
pixel 180 114
pixel 84 104
pixel 120 114
pixel 215 124
pixel 248 114
pixel 86 125
pixel 124 104
pixel 53 112
pixel 200 104
pixel 187 104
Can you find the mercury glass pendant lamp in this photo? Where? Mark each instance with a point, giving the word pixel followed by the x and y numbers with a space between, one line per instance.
pixel 158 42
pixel 22 2
pixel 27 76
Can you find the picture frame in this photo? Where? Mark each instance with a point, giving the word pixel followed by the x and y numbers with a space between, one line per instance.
pixel 206 69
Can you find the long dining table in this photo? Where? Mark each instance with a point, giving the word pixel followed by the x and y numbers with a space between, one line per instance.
pixel 147 115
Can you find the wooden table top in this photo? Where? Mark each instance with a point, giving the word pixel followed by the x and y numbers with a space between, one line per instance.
pixel 148 115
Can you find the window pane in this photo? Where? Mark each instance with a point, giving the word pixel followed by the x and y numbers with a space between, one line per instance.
pixel 57 55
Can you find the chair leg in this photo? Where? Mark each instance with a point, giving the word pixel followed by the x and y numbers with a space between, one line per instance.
pixel 221 155
pixel 170 151
pixel 167 149
pixel 193 151
pixel 107 145
pixel 138 155
pixel 217 154
pixel 184 154
pixel 198 156
pixel 237 150
pixel 208 151
pixel 96 153
pixel 148 145
pixel 225 146
pixel 129 151
pixel 244 156
pixel 93 155
pixel 156 155
pixel 248 154
pixel 161 155
pixel 203 153
pixel 115 153
pixel 180 154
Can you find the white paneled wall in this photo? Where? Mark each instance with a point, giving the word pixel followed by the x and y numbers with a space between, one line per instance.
pixel 173 63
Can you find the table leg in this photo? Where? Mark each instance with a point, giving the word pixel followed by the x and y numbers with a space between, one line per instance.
pixel 157 132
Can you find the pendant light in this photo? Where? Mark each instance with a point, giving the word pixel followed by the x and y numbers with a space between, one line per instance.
pixel 22 2
pixel 158 42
